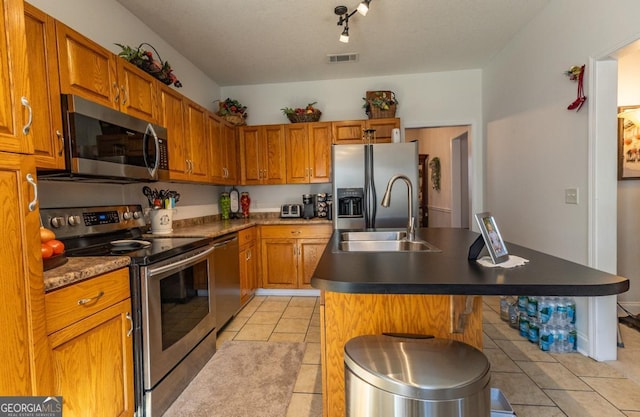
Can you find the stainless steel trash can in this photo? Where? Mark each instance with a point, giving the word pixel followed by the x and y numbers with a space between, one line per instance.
pixel 387 376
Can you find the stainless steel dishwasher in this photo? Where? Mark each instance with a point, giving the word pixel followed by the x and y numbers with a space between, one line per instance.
pixel 226 275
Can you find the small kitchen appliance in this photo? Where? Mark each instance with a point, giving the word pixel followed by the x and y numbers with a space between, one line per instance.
pixel 308 206
pixel 291 210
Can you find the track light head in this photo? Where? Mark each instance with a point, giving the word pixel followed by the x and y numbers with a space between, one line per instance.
pixel 344 16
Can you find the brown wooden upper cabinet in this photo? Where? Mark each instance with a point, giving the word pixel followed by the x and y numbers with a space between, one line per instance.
pixel 15 105
pixel 262 155
pixel 308 148
pixel 48 139
pixel 93 72
pixel 351 131
pixel 223 155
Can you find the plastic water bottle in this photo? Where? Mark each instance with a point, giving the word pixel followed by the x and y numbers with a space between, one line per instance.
pixel 554 336
pixel 514 315
pixel 534 330
pixel 523 324
pixel 532 306
pixel 544 310
pixel 561 311
pixel 571 310
pixel 523 300
pixel 572 338
pixel 563 338
pixel 545 341
pixel 505 302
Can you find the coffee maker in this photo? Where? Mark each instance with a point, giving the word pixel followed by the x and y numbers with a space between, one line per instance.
pixel 308 206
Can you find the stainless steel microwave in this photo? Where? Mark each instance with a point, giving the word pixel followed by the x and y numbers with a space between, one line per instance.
pixel 102 143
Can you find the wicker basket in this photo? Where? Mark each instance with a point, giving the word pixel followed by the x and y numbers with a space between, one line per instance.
pixel 374 112
pixel 304 117
pixel 237 119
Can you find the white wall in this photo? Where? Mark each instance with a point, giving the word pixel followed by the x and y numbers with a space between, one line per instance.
pixel 535 146
pixel 426 100
pixel 106 22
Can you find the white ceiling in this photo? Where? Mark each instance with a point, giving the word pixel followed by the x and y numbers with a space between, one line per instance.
pixel 240 42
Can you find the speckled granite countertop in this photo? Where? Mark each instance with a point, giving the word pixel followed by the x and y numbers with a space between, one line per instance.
pixel 81 268
pixel 78 269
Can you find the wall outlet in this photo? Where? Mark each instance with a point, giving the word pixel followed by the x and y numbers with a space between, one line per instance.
pixel 571 196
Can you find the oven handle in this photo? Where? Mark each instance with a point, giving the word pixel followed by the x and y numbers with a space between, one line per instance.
pixel 157 271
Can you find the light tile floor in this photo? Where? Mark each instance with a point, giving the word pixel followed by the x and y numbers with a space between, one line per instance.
pixel 536 383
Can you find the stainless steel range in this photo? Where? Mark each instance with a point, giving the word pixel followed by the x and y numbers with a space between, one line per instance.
pixel 172 296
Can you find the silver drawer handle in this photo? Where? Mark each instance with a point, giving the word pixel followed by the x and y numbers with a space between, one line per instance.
pixel 130 331
pixel 31 180
pixel 84 301
pixel 26 128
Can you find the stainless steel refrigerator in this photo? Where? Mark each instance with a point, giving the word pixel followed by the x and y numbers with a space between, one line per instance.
pixel 360 177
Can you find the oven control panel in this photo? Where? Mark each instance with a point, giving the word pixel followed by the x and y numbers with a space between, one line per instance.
pixel 81 221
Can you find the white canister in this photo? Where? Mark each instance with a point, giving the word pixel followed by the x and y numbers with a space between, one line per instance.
pixel 161 221
pixel 395 135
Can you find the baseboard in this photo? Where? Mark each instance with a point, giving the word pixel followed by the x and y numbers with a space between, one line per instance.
pixel 288 292
pixel 631 306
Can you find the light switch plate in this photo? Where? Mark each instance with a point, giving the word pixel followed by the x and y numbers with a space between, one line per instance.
pixel 571 195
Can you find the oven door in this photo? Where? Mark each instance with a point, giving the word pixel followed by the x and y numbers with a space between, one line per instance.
pixel 178 310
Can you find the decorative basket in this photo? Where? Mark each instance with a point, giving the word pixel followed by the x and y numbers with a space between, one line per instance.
pixel 375 112
pixel 237 119
pixel 144 60
pixel 304 117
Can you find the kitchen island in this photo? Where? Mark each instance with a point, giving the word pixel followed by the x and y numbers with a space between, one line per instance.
pixel 436 293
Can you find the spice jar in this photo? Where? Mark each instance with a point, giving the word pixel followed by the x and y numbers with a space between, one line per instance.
pixel 225 205
pixel 245 202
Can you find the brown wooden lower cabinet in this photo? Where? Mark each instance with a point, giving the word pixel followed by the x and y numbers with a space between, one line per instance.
pixel 345 316
pixel 290 253
pixel 248 258
pixel 91 342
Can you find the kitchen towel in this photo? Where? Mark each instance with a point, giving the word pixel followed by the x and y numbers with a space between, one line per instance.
pixel 511 263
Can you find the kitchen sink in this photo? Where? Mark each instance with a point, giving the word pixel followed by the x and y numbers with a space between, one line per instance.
pixel 378 235
pixel 386 246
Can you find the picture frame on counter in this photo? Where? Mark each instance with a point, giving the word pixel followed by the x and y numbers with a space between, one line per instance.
pixel 492 237
pixel 629 142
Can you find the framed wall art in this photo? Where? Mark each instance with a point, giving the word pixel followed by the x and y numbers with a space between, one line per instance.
pixel 628 142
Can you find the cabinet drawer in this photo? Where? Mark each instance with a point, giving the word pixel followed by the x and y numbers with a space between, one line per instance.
pixel 296 231
pixel 75 302
pixel 247 236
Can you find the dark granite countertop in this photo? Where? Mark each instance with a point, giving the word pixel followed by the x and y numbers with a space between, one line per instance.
pixel 449 271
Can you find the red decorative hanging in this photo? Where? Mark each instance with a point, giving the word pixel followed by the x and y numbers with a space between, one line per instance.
pixel 577 73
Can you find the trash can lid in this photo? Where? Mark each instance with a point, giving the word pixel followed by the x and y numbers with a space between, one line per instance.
pixel 425 369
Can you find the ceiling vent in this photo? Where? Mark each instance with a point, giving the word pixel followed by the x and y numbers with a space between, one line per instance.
pixel 340 58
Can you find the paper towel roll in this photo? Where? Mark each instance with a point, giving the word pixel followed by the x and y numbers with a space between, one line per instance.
pixel 395 135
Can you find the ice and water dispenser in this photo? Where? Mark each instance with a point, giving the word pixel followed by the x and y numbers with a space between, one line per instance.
pixel 350 203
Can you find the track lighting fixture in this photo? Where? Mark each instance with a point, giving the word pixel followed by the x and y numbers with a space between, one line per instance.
pixel 345 15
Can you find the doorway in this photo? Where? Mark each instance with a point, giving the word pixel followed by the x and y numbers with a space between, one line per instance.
pixel 449 204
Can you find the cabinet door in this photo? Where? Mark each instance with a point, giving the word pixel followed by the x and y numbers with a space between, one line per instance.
pixel 172 117
pixel 26 367
pixel 310 251
pixel 138 91
pixel 93 364
pixel 273 155
pixel 230 134
pixel 217 149
pixel 278 258
pixel 196 135
pixel 250 156
pixel 347 132
pixel 320 152
pixel 14 116
pixel 383 128
pixel 297 148
pixel 46 130
pixel 248 273
pixel 86 68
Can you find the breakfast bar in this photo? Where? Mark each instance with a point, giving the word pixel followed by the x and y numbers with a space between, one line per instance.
pixel 433 292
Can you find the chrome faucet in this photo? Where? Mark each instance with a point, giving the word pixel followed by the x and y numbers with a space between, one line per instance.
pixel 386 201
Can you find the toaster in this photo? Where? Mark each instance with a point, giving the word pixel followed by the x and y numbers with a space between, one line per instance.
pixel 291 210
